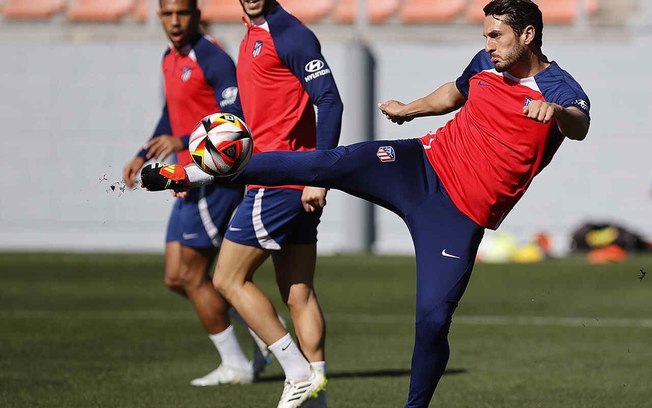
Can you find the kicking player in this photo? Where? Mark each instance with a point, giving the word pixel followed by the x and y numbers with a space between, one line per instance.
pixel 200 79
pixel 516 107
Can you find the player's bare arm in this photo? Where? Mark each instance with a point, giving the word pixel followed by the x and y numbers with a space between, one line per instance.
pixel 571 121
pixel 161 146
pixel 313 198
pixel 443 100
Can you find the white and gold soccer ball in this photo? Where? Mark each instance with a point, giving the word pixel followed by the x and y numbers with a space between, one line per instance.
pixel 221 144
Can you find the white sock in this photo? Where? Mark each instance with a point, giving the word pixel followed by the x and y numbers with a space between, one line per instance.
pixel 227 345
pixel 197 177
pixel 319 366
pixel 259 343
pixel 294 364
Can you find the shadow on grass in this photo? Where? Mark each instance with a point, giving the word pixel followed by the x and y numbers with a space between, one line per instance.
pixel 364 374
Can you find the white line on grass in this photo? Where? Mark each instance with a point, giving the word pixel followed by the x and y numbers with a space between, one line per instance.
pixel 358 318
pixel 498 320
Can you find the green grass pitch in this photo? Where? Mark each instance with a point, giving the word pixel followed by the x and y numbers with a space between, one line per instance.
pixel 101 331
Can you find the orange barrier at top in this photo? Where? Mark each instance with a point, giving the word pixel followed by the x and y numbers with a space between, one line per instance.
pixel 378 11
pixel 431 11
pixel 100 10
pixel 32 9
pixel 308 11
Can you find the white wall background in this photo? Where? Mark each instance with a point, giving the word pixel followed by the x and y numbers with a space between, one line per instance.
pixel 73 113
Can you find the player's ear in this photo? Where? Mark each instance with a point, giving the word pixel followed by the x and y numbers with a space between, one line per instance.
pixel 528 35
pixel 200 24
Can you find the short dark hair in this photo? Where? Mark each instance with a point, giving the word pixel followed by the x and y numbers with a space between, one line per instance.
pixel 191 3
pixel 518 14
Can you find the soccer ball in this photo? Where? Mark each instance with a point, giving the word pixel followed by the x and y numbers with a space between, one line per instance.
pixel 221 144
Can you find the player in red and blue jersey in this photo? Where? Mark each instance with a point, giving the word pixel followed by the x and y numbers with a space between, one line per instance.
pixel 515 109
pixel 199 79
pixel 282 77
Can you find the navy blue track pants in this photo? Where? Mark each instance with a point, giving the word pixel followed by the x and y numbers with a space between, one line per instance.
pixel 396 174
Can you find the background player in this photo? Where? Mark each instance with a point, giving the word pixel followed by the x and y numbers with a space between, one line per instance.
pixel 278 95
pixel 199 80
pixel 516 108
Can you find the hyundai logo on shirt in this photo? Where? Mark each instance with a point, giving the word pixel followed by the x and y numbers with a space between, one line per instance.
pixel 314 65
pixel 316 69
pixel 229 96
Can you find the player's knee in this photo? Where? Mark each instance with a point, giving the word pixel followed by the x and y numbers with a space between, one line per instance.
pixel 436 321
pixel 184 279
pixel 173 283
pixel 224 285
pixel 297 296
pixel 220 286
pixel 284 291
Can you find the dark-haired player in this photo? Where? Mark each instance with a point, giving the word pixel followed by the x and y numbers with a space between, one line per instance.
pixel 199 79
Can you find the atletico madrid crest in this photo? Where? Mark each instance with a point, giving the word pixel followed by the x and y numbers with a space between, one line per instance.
pixel 386 154
pixel 258 47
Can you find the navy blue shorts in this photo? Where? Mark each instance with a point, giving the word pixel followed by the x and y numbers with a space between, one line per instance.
pixel 270 218
pixel 200 219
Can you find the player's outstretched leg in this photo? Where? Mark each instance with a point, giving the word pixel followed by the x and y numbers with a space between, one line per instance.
pixel 363 169
pixel 389 173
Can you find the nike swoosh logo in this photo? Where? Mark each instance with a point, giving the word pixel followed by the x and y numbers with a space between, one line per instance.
pixel 234 229
pixel 286 346
pixel 447 255
pixel 188 236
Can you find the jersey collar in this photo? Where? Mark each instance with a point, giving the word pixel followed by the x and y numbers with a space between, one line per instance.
pixel 258 22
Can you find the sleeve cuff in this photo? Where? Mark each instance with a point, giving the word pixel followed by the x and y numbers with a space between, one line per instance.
pixel 185 140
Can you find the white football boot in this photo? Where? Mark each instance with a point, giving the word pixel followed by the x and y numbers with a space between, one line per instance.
pixel 225 374
pixel 296 393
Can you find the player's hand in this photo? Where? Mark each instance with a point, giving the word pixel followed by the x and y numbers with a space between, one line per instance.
pixel 393 110
pixel 313 198
pixel 130 171
pixel 541 111
pixel 161 146
pixel 179 194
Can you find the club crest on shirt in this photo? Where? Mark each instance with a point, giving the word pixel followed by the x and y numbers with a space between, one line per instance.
pixel 386 154
pixel 258 47
pixel 527 101
pixel 186 73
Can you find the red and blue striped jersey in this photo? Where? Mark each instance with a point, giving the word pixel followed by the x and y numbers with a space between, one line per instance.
pixel 198 80
pixel 282 76
pixel 488 154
